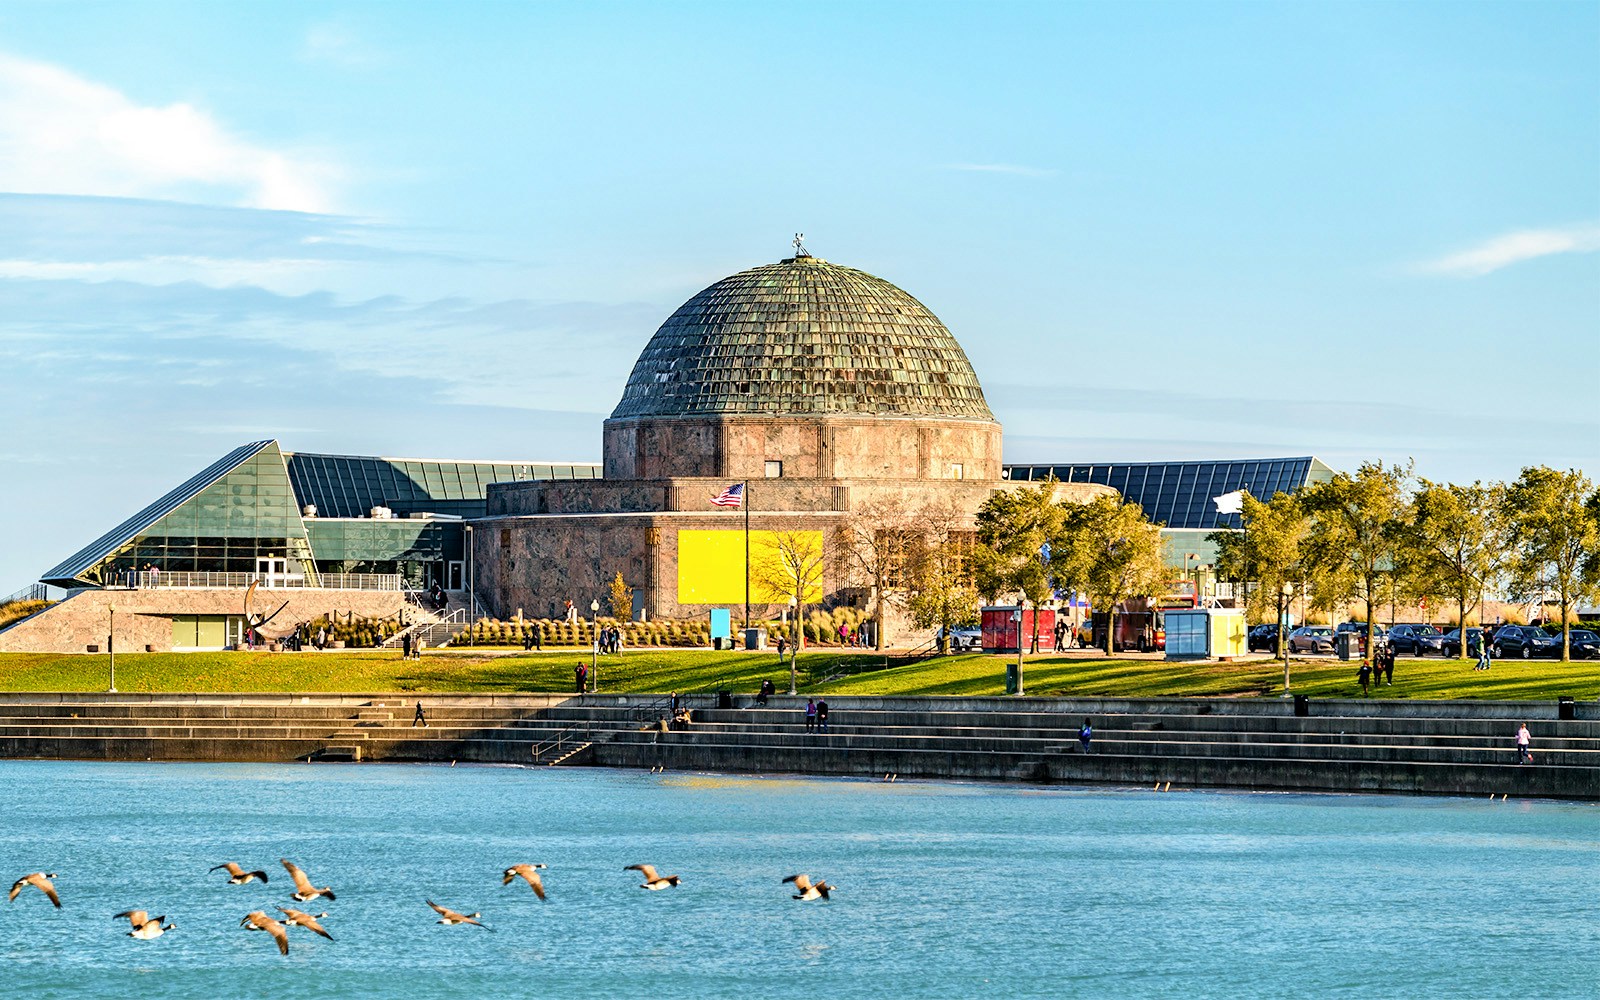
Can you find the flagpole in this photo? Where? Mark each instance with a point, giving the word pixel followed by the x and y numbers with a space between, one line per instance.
pixel 747 554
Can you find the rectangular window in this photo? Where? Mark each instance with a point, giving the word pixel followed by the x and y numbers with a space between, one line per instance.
pixel 958 470
pixel 774 469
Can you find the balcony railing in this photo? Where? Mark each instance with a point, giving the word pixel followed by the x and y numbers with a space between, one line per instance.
pixel 162 579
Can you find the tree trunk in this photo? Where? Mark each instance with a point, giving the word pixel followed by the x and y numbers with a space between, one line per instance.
pixel 1111 630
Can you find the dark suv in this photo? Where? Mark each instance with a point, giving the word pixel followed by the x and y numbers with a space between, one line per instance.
pixel 1585 644
pixel 1262 637
pixel 1415 640
pixel 1526 641
pixel 1379 636
pixel 1450 645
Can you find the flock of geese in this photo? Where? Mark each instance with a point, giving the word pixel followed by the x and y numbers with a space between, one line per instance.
pixel 147 928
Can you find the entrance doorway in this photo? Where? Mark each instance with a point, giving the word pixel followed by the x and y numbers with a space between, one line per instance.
pixel 456 575
pixel 271 570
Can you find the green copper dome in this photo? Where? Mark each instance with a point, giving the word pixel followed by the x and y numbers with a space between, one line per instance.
pixel 803 337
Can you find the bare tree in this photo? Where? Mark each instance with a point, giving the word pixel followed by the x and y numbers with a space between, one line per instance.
pixel 791 570
pixel 875 549
pixel 938 573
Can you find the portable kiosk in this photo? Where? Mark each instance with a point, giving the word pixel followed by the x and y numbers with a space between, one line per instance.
pixel 1205 633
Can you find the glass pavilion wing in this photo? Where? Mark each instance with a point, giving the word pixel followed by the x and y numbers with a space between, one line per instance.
pixel 351 485
pixel 1180 494
pixel 223 519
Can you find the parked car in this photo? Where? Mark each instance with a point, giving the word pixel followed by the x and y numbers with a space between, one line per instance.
pixel 1379 634
pixel 1450 642
pixel 1584 644
pixel 1415 640
pixel 1262 637
pixel 1525 641
pixel 967 638
pixel 1311 639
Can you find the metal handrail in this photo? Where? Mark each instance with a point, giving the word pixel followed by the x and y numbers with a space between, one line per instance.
pixel 560 739
pixel 184 579
pixel 32 592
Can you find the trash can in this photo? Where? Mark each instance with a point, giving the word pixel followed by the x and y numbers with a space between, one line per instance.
pixel 755 638
pixel 1566 710
pixel 1302 705
pixel 1347 645
pixel 724 699
pixel 1013 678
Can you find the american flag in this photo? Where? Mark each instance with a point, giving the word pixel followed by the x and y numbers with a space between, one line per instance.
pixel 733 496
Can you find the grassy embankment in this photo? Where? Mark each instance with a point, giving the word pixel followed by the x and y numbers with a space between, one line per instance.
pixel 703 670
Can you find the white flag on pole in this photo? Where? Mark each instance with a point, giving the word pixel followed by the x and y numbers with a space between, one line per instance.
pixel 1230 503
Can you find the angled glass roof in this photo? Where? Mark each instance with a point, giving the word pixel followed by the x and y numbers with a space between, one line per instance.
pixel 220 518
pixel 351 485
pixel 1179 494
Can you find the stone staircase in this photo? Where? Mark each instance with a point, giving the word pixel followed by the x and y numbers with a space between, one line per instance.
pixel 1460 748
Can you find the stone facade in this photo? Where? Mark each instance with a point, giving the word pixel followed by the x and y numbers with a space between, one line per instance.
pixel 829 447
pixel 144 617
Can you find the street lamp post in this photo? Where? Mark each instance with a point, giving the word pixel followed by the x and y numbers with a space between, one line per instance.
pixel 1283 632
pixel 794 642
pixel 594 647
pixel 472 593
pixel 111 647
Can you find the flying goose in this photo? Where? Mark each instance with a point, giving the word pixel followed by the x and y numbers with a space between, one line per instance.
pixel 652 881
pixel 257 920
pixel 449 916
pixel 239 875
pixel 40 881
pixel 144 927
pixel 306 891
pixel 306 920
pixel 529 874
pixel 806 889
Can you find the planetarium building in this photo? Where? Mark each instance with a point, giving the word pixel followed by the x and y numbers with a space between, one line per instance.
pixel 776 404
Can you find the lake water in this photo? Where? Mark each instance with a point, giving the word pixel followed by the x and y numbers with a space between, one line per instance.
pixel 946 890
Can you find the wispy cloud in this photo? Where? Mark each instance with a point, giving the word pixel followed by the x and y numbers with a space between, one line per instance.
pixel 1014 169
pixel 336 43
pixel 61 133
pixel 1513 248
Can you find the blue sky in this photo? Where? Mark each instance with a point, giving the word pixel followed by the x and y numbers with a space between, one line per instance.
pixel 1161 231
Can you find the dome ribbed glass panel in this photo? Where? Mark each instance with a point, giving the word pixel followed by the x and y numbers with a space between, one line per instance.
pixel 803 337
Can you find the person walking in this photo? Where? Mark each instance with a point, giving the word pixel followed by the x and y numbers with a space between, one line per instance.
pixel 1086 735
pixel 811 715
pixel 1524 744
pixel 1388 665
pixel 782 645
pixel 419 719
pixel 1363 674
pixel 822 714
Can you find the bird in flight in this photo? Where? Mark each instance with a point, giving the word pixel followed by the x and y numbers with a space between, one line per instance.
pixel 652 881
pixel 257 920
pixel 305 892
pixel 238 876
pixel 40 881
pixel 145 927
pixel 805 889
pixel 529 874
pixel 448 916
pixel 306 920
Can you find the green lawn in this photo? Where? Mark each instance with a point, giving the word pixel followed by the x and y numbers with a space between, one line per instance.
pixel 703 670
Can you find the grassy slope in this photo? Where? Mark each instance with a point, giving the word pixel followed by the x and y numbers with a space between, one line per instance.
pixel 702 670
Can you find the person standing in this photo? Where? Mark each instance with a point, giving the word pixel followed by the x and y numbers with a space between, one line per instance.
pixel 674 703
pixel 405 646
pixel 811 715
pixel 822 714
pixel 322 637
pixel 1483 651
pixel 580 674
pixel 538 637
pixel 1524 746
pixel 782 645
pixel 1086 734
pixel 1363 674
